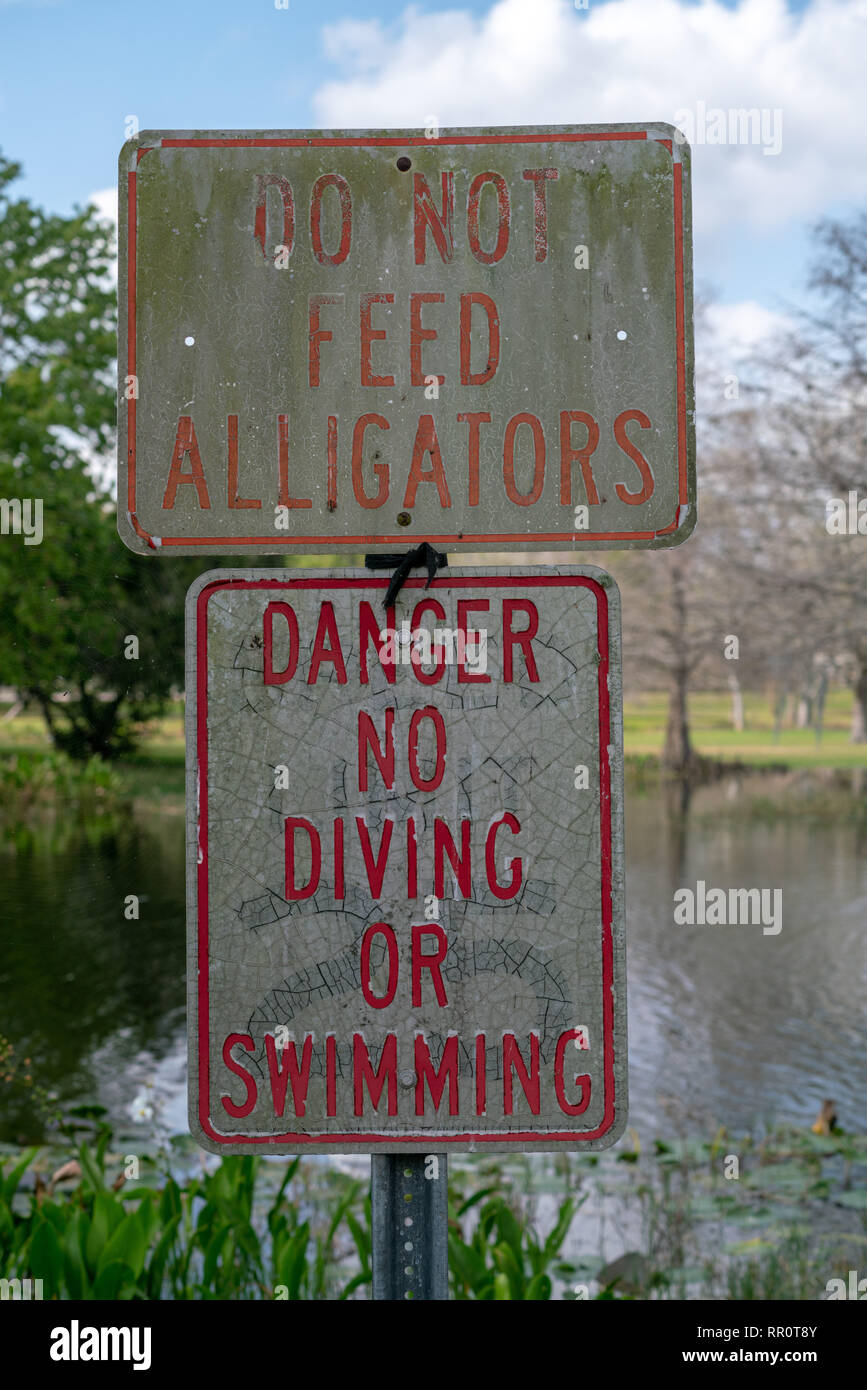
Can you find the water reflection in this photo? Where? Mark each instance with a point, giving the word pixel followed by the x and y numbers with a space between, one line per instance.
pixel 727 1024
pixel 89 996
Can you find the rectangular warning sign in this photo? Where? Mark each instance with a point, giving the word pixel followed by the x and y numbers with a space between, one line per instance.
pixel 405 861
pixel 363 339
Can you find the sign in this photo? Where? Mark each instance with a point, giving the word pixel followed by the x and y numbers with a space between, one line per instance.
pixel 406 862
pixel 352 340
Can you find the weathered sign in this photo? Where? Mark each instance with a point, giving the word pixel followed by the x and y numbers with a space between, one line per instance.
pixel 406 861
pixel 481 338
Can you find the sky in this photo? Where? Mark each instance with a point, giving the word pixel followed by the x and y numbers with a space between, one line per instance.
pixel 73 73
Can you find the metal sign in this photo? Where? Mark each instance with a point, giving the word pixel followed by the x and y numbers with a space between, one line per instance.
pixel 356 339
pixel 406 862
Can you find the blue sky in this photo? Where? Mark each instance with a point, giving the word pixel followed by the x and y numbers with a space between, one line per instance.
pixel 72 71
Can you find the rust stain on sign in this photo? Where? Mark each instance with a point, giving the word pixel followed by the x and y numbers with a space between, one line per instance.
pixel 353 339
pixel 405 861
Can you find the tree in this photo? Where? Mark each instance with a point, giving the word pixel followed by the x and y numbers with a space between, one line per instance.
pixel 762 564
pixel 681 608
pixel 95 624
pixel 70 601
pixel 809 450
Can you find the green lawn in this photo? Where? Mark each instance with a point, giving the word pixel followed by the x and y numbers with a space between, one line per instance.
pixel 156 772
pixel 713 736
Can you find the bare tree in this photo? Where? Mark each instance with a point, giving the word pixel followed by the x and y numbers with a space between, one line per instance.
pixel 810 457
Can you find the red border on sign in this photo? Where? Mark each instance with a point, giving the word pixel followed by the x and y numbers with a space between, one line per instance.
pixel 202 901
pixel 275 543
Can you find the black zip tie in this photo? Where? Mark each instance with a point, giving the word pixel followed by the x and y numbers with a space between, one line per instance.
pixel 423 554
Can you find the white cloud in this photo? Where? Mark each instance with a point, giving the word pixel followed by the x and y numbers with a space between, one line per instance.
pixel 353 43
pixel 737 346
pixel 740 329
pixel 535 61
pixel 105 201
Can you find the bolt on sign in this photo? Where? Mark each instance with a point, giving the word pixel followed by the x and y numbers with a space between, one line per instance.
pixel 406 861
pixel 360 339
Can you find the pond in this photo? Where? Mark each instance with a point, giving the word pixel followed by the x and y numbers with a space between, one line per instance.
pixel 728 1025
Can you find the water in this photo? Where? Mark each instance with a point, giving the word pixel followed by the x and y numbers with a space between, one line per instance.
pixel 727 1025
pixel 97 1002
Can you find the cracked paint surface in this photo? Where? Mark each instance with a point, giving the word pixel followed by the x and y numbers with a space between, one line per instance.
pixel 536 966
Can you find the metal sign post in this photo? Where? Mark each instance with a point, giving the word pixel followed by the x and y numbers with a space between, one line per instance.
pixel 409 1202
pixel 406 874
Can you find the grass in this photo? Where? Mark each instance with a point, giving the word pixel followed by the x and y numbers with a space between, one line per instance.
pixel 644 719
pixel 180 1226
pixel 154 775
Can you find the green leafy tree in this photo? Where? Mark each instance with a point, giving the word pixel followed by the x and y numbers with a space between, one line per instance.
pixel 69 603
